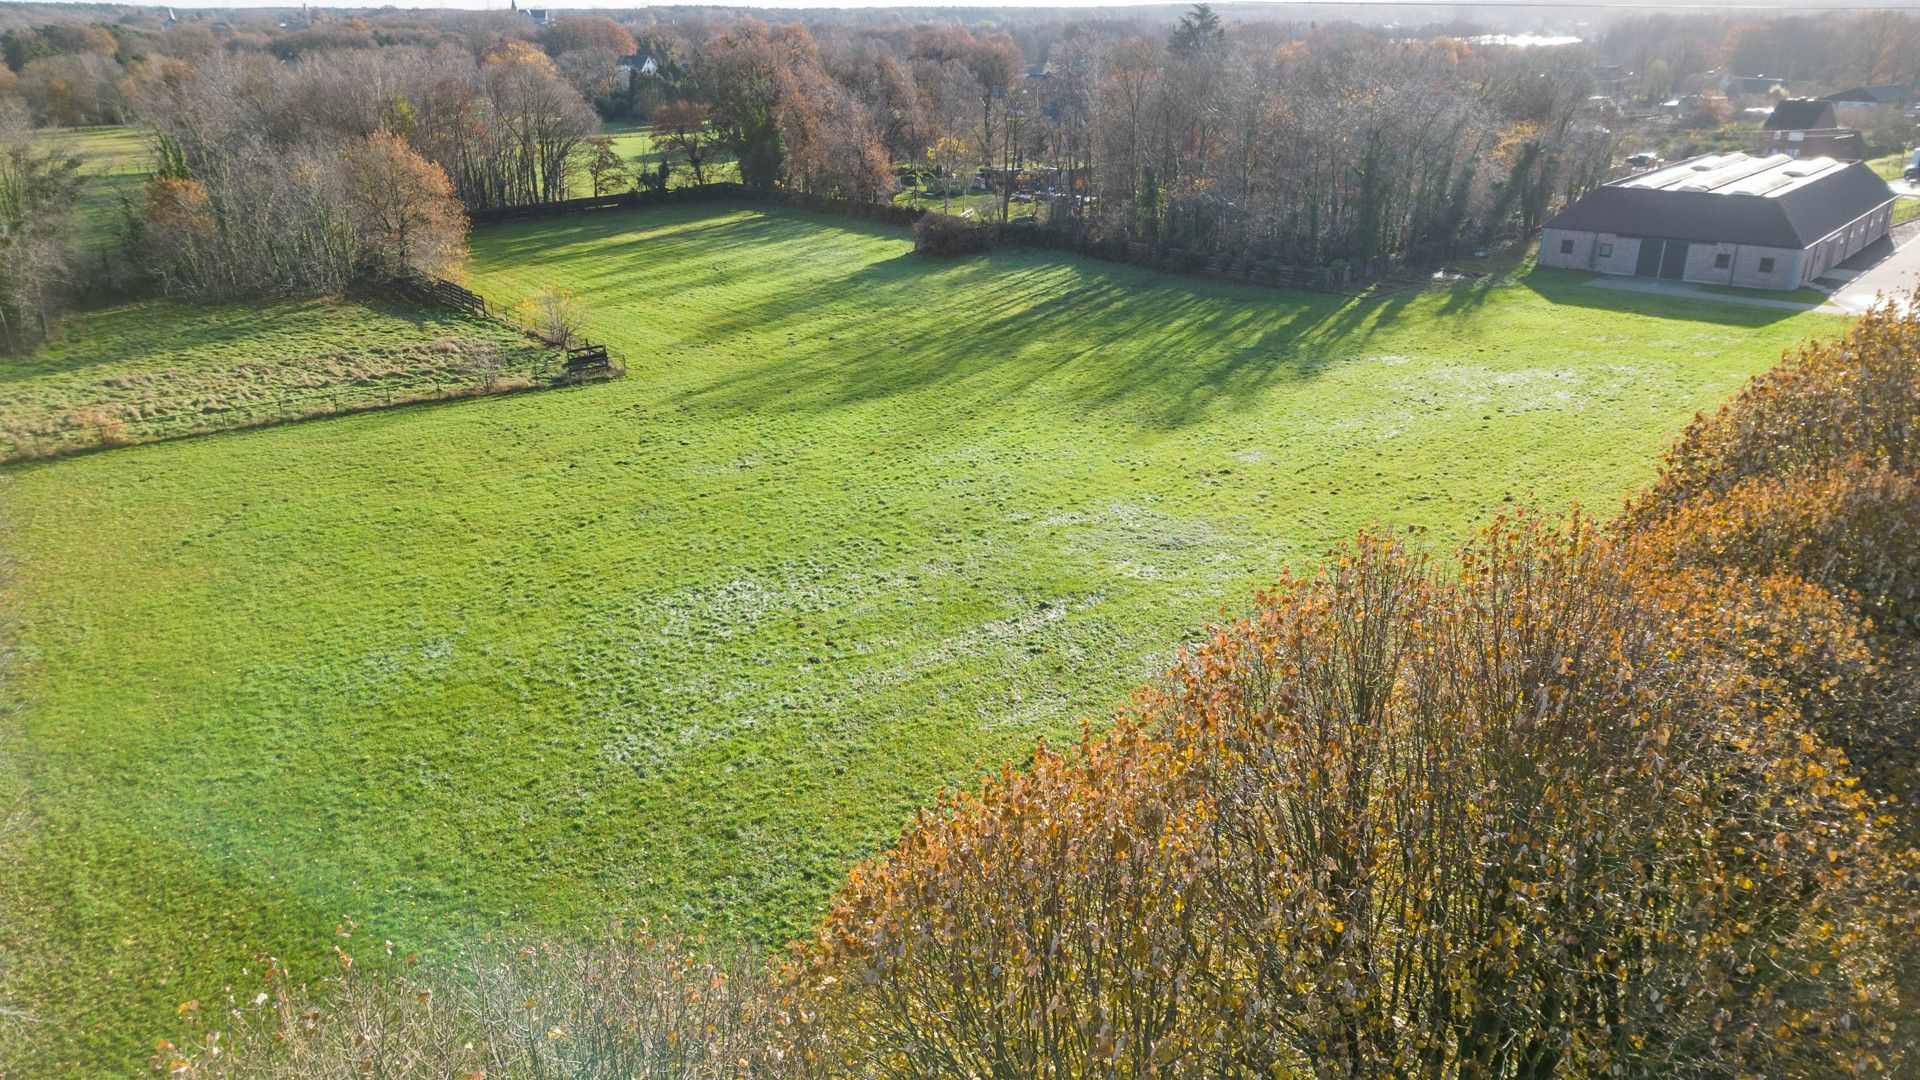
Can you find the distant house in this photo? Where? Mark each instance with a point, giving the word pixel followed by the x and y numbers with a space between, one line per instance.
pixel 1772 222
pixel 645 65
pixel 1872 97
pixel 1806 127
pixel 1754 86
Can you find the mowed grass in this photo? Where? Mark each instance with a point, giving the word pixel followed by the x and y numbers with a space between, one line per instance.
pixel 635 144
pixel 114 162
pixel 857 525
pixel 156 369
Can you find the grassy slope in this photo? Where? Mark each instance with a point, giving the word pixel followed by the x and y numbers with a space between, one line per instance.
pixel 156 369
pixel 114 161
pixel 858 525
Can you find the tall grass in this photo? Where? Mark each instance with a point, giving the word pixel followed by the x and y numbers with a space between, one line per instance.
pixel 616 1004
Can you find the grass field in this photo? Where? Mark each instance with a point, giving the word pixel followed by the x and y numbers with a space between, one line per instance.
pixel 634 142
pixel 155 369
pixel 114 161
pixel 1891 167
pixel 857 525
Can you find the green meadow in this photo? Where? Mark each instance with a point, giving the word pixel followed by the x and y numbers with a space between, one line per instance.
pixel 635 144
pixel 857 525
pixel 114 162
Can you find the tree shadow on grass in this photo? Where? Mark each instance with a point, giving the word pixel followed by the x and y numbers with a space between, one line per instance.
pixel 1096 337
pixel 636 229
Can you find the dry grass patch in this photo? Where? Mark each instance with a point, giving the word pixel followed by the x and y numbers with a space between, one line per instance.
pixel 148 371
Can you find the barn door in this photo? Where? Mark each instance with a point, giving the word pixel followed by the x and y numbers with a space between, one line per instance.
pixel 1648 264
pixel 1673 264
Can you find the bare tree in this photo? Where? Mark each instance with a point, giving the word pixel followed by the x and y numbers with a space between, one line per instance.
pixel 37 187
pixel 683 131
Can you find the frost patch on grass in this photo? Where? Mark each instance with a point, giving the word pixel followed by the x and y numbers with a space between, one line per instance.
pixel 1521 391
pixel 368 680
pixel 1033 629
pixel 1127 523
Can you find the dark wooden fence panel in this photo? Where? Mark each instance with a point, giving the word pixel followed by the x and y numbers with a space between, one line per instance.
pixel 588 361
pixel 893 215
pixel 426 290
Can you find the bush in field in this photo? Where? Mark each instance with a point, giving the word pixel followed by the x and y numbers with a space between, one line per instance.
pixel 1524 818
pixel 553 315
pixel 946 234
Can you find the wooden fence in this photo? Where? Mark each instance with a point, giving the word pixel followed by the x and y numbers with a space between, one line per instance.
pixel 587 362
pixel 893 215
pixel 584 361
pixel 434 291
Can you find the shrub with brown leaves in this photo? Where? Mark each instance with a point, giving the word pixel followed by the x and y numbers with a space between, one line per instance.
pixel 1533 815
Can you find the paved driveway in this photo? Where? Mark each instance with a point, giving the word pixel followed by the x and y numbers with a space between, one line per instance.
pixel 1895 276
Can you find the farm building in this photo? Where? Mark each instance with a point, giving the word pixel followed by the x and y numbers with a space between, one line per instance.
pixel 1873 97
pixel 1771 222
pixel 1803 127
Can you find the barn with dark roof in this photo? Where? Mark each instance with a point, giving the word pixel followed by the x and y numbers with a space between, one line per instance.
pixel 1773 222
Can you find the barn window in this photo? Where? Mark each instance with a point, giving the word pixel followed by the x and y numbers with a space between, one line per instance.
pixel 1722 261
pixel 1606 250
pixel 1766 266
pixel 1566 247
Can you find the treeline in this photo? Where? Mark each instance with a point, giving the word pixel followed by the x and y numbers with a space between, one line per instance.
pixel 1661 55
pixel 1624 799
pixel 1334 148
pixel 1256 141
pixel 267 184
